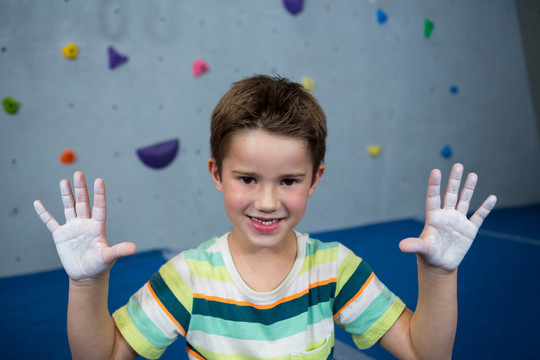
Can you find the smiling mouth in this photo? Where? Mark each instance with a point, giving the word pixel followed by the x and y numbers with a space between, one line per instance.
pixel 265 222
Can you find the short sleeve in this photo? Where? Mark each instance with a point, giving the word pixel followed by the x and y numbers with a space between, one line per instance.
pixel 159 312
pixel 363 306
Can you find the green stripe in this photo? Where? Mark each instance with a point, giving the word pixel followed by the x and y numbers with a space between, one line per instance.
pixel 322 256
pixel 258 331
pixel 352 286
pixel 371 315
pixel 245 313
pixel 133 336
pixel 379 328
pixel 346 269
pixel 177 285
pixel 207 271
pixel 171 303
pixel 150 331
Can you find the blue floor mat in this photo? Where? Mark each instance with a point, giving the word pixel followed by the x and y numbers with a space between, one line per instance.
pixel 498 290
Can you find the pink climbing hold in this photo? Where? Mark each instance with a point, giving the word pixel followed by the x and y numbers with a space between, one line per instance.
pixel 200 67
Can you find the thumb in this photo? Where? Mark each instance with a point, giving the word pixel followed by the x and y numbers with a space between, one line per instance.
pixel 411 245
pixel 117 251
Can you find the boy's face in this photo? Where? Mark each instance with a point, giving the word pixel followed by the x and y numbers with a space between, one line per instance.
pixel 266 180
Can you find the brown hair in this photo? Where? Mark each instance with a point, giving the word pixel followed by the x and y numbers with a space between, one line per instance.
pixel 272 104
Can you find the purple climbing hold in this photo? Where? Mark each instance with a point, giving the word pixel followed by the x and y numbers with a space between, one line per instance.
pixel 115 58
pixel 294 6
pixel 159 155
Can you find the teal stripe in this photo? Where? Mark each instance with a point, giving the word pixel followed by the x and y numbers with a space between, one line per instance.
pixel 374 311
pixel 149 330
pixel 201 254
pixel 319 245
pixel 352 286
pixel 319 312
pixel 249 330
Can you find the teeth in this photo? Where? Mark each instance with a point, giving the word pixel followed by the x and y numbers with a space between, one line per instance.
pixel 264 222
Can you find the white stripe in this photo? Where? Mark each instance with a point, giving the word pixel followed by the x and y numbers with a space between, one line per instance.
pixel 263 348
pixel 357 307
pixel 510 237
pixel 156 314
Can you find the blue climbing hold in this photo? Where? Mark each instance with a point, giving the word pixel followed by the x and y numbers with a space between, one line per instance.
pixel 446 151
pixel 381 16
pixel 115 58
pixel 454 89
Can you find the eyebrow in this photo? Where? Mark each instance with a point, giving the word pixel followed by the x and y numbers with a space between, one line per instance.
pixel 252 174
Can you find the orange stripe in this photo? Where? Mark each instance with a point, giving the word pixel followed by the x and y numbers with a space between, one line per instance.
pixel 165 309
pixel 357 294
pixel 194 354
pixel 268 306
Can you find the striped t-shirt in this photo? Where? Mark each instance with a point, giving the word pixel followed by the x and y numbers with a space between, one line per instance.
pixel 200 295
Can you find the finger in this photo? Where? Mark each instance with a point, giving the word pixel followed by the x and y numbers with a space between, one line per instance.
pixel 433 200
pixel 99 210
pixel 82 205
pixel 117 251
pixel 483 211
pixel 452 187
pixel 412 245
pixel 467 193
pixel 67 200
pixel 45 216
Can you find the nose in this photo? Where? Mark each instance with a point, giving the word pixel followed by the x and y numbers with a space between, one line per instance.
pixel 267 199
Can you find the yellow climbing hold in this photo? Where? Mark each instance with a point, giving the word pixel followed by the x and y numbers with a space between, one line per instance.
pixel 70 51
pixel 374 150
pixel 308 83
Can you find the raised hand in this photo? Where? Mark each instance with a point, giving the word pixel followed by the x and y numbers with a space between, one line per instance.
pixel 81 242
pixel 448 234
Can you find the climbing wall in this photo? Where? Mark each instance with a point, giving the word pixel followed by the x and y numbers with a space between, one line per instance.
pixel 123 90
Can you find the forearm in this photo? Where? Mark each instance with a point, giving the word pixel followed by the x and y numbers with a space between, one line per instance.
pixel 433 324
pixel 91 331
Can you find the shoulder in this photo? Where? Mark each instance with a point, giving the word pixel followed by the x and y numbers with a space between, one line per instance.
pixel 330 250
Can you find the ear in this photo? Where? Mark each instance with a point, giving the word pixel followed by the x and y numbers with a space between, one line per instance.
pixel 214 172
pixel 318 174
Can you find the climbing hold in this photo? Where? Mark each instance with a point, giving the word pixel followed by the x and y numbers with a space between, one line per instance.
pixel 115 58
pixel 374 150
pixel 294 6
pixel 159 155
pixel 454 89
pixel 70 51
pixel 381 16
pixel 428 28
pixel 446 151
pixel 308 83
pixel 200 67
pixel 67 157
pixel 10 105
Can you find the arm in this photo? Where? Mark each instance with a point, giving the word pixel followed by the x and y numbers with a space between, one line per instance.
pixel 87 258
pixel 429 332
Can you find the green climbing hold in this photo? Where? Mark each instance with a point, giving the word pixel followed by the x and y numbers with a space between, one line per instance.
pixel 428 28
pixel 10 105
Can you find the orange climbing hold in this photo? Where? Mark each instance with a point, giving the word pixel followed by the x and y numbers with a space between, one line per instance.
pixel 68 156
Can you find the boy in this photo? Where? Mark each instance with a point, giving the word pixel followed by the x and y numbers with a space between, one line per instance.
pixel 264 290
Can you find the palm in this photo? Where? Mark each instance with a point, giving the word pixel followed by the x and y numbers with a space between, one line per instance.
pixel 448 234
pixel 81 243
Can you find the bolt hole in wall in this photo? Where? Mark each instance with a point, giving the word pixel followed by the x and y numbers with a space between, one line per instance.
pixel 122 90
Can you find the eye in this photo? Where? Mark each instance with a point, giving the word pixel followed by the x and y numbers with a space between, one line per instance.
pixel 248 180
pixel 289 182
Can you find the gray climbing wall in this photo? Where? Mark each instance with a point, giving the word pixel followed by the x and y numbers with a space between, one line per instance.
pixel 380 84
